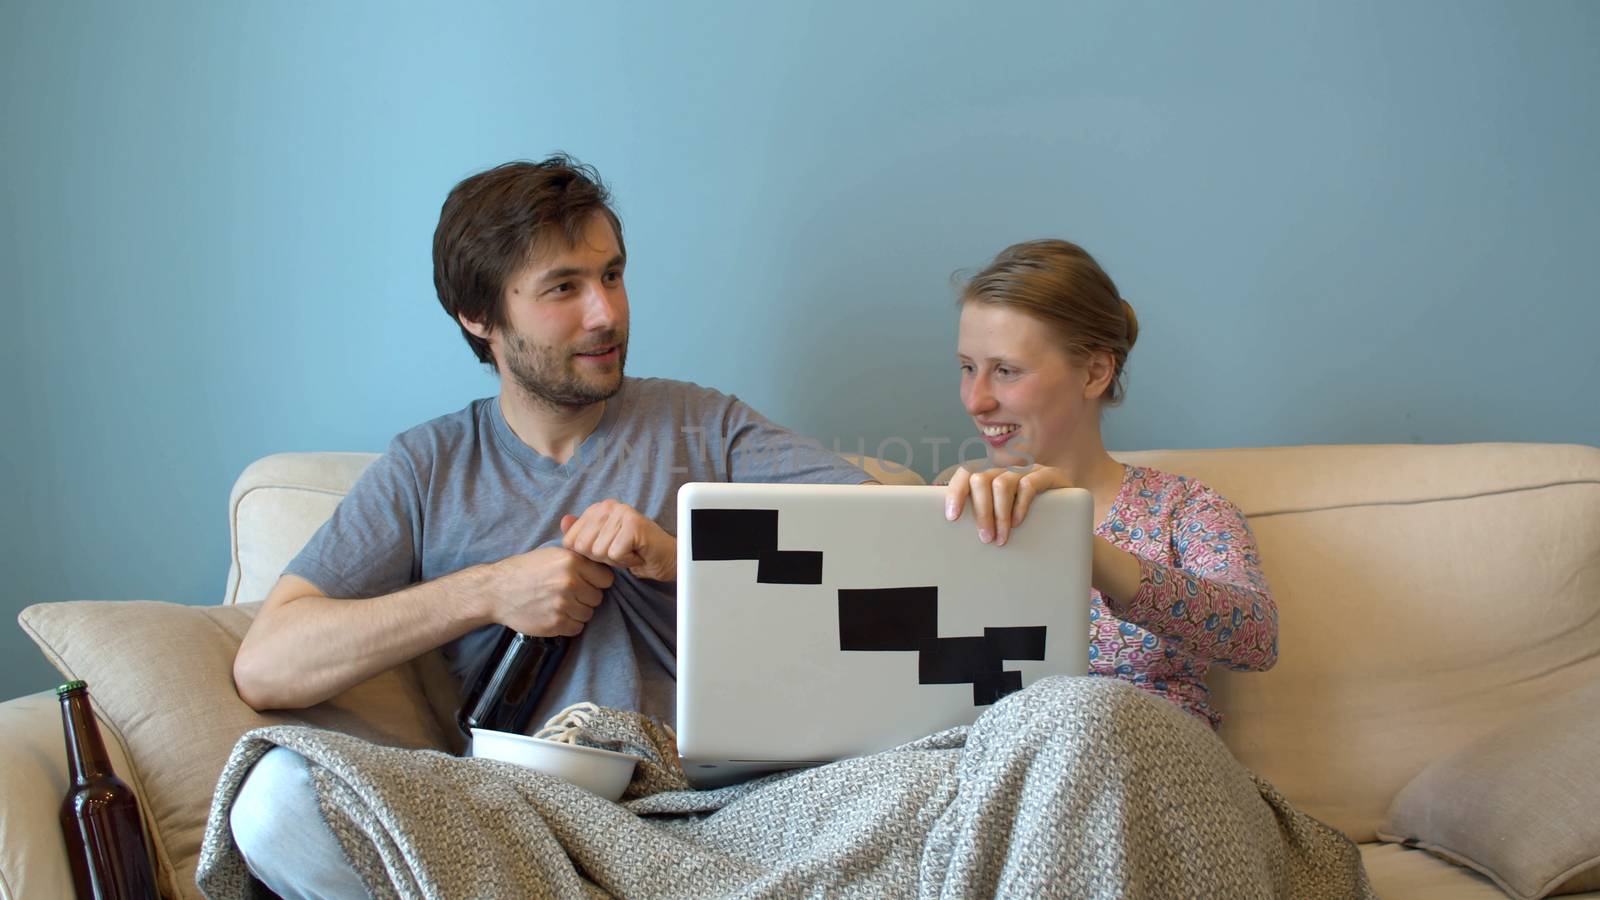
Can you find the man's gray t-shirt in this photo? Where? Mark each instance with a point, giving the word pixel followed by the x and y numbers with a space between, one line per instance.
pixel 463 490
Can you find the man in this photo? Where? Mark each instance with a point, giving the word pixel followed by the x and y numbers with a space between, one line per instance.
pixel 549 509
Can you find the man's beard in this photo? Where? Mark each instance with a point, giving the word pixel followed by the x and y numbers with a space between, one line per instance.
pixel 551 374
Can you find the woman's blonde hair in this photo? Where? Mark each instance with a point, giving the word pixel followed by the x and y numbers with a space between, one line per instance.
pixel 1060 284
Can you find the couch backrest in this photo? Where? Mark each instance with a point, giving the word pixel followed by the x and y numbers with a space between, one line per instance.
pixel 280 501
pixel 277 504
pixel 1427 594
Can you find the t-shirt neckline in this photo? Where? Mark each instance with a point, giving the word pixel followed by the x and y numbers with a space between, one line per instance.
pixel 587 451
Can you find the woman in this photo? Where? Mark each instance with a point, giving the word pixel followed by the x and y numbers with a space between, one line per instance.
pixel 1177 583
pixel 1136 778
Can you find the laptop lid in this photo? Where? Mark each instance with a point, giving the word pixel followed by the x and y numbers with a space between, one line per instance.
pixel 817 622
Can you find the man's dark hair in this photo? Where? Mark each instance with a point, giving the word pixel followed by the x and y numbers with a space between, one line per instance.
pixel 491 223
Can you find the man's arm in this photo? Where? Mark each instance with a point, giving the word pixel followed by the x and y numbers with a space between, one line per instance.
pixel 759 449
pixel 305 647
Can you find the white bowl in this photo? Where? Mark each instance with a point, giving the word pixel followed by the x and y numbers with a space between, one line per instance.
pixel 603 772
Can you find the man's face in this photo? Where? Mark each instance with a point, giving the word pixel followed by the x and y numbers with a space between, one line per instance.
pixel 566 335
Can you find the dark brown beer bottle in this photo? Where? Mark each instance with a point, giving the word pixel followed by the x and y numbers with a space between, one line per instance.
pixel 508 688
pixel 100 817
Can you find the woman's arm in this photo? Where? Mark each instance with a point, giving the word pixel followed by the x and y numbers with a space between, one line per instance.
pixel 1215 604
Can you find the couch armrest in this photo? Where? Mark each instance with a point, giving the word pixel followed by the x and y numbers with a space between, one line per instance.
pixel 33 782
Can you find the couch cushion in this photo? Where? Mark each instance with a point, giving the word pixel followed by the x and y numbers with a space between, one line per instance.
pixel 1426 594
pixel 1517 805
pixel 1401 873
pixel 160 676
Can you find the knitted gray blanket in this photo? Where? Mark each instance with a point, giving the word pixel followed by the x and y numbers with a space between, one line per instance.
pixel 1075 787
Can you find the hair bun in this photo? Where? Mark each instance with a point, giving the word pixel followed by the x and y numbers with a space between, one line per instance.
pixel 1132 321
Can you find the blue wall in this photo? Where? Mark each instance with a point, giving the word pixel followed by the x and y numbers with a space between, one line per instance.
pixel 1348 222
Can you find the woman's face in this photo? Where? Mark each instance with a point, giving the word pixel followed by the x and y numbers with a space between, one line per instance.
pixel 1025 394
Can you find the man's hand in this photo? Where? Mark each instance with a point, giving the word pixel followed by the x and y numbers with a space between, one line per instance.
pixel 615 534
pixel 547 592
pixel 1000 497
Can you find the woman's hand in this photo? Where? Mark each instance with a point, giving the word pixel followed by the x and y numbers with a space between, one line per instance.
pixel 1000 497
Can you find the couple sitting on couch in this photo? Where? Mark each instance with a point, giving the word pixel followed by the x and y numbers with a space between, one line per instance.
pixel 549 509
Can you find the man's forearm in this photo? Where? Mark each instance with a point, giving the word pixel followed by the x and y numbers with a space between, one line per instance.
pixel 305 650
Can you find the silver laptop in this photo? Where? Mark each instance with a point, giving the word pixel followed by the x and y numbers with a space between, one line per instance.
pixel 817 622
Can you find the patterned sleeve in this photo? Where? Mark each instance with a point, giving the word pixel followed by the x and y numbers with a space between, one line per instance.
pixel 1215 605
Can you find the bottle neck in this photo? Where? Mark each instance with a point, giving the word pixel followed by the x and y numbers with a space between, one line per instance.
pixel 86 752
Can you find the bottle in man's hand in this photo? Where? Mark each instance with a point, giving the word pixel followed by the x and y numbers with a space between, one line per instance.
pixel 507 689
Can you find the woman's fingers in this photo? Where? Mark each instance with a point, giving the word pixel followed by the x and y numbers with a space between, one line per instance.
pixel 1000 498
pixel 1004 490
pixel 1029 487
pixel 955 494
pixel 983 504
pixel 1032 485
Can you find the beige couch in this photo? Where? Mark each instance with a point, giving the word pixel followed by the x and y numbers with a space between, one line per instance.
pixel 1428 595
